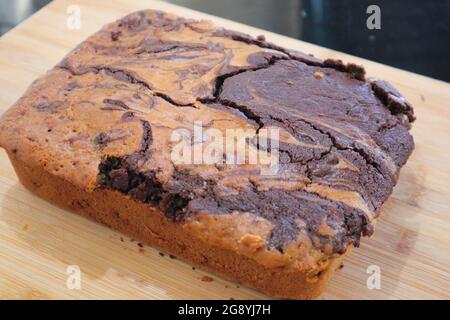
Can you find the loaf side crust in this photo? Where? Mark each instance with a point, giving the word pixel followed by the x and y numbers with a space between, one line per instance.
pixel 151 226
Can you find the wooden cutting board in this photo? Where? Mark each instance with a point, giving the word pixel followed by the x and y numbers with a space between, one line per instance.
pixel 38 241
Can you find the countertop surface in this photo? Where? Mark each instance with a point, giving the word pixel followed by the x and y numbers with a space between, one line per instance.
pixel 39 242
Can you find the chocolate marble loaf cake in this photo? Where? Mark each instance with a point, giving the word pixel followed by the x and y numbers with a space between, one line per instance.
pixel 101 134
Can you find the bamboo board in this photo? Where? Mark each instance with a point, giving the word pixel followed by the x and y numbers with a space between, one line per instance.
pixel 39 241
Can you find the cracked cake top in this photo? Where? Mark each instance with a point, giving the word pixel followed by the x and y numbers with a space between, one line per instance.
pixel 104 118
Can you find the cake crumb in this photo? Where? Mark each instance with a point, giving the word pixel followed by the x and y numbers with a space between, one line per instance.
pixel 290 83
pixel 207 279
pixel 341 266
pixel 161 254
pixel 25 227
pixel 140 245
pixel 318 75
pixel 193 268
pixel 171 256
pixel 115 35
pixel 121 239
pixel 197 105
pixel 261 37
pixel 251 242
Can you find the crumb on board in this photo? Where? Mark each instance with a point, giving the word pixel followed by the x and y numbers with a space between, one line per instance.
pixel 140 244
pixel 207 279
pixel 261 37
pixel 171 256
pixel 193 268
pixel 25 227
pixel 121 239
pixel 161 254
pixel 341 266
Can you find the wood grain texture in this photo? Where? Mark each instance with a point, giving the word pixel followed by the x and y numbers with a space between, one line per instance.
pixel 411 244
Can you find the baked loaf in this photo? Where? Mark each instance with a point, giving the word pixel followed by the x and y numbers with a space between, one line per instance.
pixel 95 135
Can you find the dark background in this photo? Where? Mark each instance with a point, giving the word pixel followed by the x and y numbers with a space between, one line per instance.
pixel 414 35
